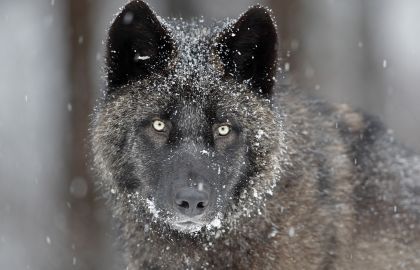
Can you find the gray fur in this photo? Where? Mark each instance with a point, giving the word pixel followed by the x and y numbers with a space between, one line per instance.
pixel 331 189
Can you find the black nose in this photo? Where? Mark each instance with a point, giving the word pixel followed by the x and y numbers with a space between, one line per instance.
pixel 191 202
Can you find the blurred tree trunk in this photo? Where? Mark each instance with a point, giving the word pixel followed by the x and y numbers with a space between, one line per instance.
pixel 374 77
pixel 287 13
pixel 85 230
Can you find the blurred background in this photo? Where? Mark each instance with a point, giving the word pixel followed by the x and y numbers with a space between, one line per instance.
pixel 362 52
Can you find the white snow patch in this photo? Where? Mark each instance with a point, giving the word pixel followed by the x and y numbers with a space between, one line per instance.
pixel 152 208
pixel 215 223
pixel 260 133
pixel 291 231
pixel 142 57
pixel 255 193
pixel 273 232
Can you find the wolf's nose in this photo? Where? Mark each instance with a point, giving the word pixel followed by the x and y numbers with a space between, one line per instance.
pixel 191 202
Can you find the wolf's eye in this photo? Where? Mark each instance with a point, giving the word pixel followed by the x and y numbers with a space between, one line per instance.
pixel 223 130
pixel 158 125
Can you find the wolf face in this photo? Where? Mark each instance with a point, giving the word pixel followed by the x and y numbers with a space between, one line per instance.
pixel 168 140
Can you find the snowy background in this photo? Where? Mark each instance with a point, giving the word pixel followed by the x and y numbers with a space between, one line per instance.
pixel 362 52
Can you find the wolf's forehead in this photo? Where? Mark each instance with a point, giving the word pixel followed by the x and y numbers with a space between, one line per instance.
pixel 191 119
pixel 193 61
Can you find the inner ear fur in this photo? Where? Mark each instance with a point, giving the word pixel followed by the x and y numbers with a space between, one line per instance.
pixel 138 45
pixel 248 49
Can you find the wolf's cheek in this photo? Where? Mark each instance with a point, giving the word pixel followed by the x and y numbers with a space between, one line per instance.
pixel 232 173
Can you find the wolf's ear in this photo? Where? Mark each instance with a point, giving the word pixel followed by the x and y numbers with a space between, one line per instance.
pixel 248 49
pixel 138 45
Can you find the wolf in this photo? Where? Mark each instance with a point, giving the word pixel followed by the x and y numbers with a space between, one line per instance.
pixel 207 163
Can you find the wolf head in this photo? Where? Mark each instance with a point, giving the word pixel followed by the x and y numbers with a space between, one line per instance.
pixel 186 134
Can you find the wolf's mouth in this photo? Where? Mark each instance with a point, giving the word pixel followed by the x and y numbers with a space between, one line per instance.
pixel 188 223
pixel 188 226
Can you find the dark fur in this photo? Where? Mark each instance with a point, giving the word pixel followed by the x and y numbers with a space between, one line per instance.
pixel 297 184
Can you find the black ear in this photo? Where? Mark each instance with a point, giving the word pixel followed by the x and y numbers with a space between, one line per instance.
pixel 248 49
pixel 138 45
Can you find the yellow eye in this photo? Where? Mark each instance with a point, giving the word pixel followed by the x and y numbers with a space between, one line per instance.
pixel 158 125
pixel 223 130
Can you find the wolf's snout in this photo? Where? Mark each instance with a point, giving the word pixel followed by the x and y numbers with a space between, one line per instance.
pixel 191 202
